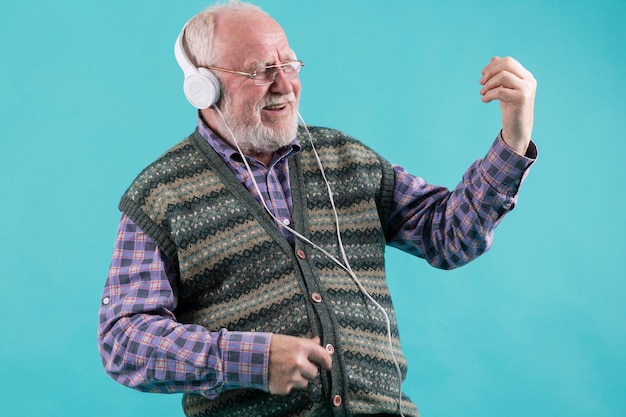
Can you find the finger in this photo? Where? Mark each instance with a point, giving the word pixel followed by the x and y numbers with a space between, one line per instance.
pixel 320 356
pixel 491 61
pixel 297 382
pixel 506 64
pixel 492 89
pixel 507 87
pixel 309 370
pixel 503 79
pixel 503 94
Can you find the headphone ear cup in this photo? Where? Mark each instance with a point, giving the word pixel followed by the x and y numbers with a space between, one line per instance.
pixel 202 88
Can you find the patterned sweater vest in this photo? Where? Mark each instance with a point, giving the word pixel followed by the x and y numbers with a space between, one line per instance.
pixel 238 272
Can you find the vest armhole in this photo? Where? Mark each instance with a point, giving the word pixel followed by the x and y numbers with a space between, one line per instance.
pixel 150 228
pixel 384 197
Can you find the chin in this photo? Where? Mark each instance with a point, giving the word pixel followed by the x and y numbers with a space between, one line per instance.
pixel 262 134
pixel 265 139
pixel 269 139
pixel 272 143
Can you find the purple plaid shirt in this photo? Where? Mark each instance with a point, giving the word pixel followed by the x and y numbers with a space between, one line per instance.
pixel 273 181
pixel 143 346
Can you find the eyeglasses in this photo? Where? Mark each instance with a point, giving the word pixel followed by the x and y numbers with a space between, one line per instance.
pixel 267 75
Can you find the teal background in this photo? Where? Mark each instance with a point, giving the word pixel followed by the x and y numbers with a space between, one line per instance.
pixel 90 93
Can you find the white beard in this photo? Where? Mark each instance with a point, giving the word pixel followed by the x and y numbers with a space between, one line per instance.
pixel 252 135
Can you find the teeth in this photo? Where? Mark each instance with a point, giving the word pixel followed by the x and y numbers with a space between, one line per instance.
pixel 275 106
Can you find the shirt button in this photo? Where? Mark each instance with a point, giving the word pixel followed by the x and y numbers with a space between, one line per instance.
pixel 330 348
pixel 286 222
pixel 337 400
pixel 106 301
pixel 300 253
pixel 316 297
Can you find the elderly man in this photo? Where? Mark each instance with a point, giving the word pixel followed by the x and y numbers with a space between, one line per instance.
pixel 248 270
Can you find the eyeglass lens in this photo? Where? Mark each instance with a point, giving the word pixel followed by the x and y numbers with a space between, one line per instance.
pixel 268 74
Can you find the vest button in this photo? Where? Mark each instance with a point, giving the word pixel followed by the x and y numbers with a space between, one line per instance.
pixel 330 348
pixel 300 254
pixel 316 297
pixel 337 400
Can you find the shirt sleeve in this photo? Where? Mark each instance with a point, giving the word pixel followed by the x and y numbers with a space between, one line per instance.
pixel 143 346
pixel 451 228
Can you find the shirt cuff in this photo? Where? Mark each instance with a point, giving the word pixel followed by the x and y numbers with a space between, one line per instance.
pixel 245 360
pixel 505 169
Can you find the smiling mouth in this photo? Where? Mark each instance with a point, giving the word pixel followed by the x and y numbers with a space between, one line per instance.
pixel 275 107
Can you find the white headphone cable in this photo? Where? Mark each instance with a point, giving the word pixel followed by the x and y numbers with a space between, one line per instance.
pixel 347 266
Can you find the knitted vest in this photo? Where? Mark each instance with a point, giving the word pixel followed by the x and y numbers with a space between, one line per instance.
pixel 238 272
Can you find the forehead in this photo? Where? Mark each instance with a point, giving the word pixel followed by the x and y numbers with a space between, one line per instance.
pixel 249 37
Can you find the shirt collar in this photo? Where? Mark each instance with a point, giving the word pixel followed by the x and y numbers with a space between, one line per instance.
pixel 230 154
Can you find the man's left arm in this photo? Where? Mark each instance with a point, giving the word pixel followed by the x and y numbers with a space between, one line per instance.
pixel 449 229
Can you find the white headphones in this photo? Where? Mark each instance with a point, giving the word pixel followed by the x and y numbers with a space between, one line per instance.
pixel 201 86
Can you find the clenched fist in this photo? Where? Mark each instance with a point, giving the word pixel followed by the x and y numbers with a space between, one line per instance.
pixel 506 80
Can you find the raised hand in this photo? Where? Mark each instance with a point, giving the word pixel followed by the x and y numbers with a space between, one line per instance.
pixel 506 80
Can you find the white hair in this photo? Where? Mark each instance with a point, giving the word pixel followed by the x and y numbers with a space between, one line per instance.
pixel 199 38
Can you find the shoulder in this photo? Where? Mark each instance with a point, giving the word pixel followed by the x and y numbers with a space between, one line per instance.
pixel 179 161
pixel 334 141
pixel 165 176
pixel 324 136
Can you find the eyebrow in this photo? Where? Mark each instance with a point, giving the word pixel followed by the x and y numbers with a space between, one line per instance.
pixel 258 64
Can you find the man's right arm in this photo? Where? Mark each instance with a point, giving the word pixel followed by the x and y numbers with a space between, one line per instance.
pixel 143 346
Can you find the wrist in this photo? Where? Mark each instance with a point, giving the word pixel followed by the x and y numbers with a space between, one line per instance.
pixel 517 143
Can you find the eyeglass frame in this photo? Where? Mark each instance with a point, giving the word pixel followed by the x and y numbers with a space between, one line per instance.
pixel 253 75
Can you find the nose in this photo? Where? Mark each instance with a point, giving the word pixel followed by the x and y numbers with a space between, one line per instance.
pixel 281 83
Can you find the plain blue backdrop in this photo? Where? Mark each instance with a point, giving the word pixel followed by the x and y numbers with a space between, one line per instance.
pixel 90 93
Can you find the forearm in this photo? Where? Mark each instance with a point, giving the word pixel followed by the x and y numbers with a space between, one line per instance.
pixel 153 354
pixel 449 229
